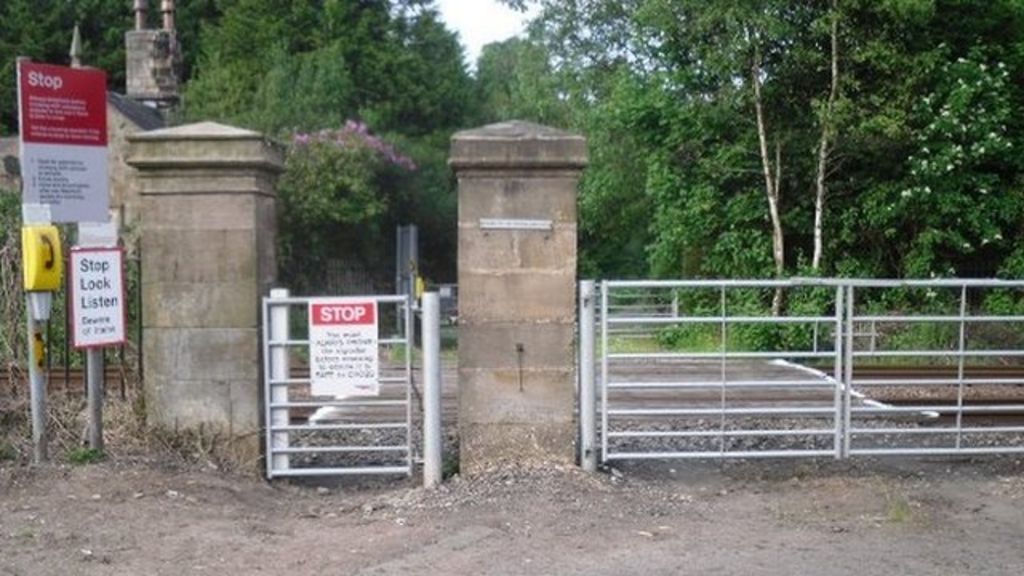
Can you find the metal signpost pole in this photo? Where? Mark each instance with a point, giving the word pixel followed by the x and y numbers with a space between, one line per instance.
pixel 94 238
pixel 431 389
pixel 40 246
pixel 37 380
pixel 95 385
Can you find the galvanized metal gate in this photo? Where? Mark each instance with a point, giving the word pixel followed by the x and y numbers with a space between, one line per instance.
pixel 315 435
pixel 703 369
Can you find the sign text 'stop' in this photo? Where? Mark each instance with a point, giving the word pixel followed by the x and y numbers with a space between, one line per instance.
pixel 62 105
pixel 343 314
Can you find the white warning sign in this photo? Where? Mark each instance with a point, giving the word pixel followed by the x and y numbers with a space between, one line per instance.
pixel 97 297
pixel 343 347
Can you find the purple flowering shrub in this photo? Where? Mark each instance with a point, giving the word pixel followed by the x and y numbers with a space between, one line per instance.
pixel 355 134
pixel 335 195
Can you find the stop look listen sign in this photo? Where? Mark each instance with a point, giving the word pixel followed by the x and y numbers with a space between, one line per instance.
pixel 97 296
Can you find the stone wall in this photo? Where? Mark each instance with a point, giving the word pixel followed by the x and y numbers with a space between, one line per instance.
pixel 517 287
pixel 208 235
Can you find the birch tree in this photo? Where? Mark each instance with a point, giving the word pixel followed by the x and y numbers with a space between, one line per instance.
pixel 828 138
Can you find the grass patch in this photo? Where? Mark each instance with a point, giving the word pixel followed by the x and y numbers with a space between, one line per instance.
pixel 83 456
pixel 898 509
pixel 450 467
pixel 7 452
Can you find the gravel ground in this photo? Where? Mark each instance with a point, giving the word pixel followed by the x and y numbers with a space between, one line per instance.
pixel 767 517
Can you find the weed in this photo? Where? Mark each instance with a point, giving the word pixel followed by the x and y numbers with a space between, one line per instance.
pixel 450 467
pixel 81 456
pixel 899 509
pixel 7 452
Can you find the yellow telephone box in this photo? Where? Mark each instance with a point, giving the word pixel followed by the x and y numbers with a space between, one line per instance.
pixel 41 258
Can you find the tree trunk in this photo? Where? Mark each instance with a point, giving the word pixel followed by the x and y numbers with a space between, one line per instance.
pixel 827 133
pixel 771 183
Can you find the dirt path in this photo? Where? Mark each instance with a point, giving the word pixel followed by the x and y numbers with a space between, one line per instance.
pixel 764 518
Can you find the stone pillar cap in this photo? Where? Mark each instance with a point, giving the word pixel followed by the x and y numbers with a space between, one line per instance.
pixel 517 144
pixel 202 145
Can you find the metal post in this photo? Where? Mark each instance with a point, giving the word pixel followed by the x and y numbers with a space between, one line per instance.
pixel 604 369
pixel 94 384
pixel 410 322
pixel 837 370
pixel 724 334
pixel 279 372
pixel 410 342
pixel 962 347
pixel 37 382
pixel 431 389
pixel 90 234
pixel 588 424
pixel 67 333
pixel 848 348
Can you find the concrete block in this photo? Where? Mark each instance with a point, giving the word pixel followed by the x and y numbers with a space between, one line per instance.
pixel 200 304
pixel 200 212
pixel 523 250
pixel 513 296
pixel 189 181
pixel 182 354
pixel 545 346
pixel 518 196
pixel 199 256
pixel 517 144
pixel 511 396
pixel 487 446
pixel 223 150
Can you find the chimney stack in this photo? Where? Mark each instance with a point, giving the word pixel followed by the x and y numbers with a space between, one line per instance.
pixel 153 59
pixel 141 7
pixel 167 9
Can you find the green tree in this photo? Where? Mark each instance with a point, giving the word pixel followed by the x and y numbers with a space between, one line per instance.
pixel 722 109
pixel 337 186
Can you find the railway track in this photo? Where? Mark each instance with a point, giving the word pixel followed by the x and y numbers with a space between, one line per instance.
pixel 910 384
pixel 70 381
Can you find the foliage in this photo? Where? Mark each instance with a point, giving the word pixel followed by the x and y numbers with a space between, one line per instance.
pixel 922 181
pixel 337 186
pixel 301 67
pixel 12 302
pixel 278 67
pixel 82 456
pixel 7 452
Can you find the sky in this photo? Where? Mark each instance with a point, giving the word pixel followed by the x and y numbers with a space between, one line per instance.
pixel 480 22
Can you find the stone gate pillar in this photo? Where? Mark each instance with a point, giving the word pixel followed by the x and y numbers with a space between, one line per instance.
pixel 207 242
pixel 517 287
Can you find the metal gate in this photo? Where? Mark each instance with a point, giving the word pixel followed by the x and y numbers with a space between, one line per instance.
pixel 705 369
pixel 316 435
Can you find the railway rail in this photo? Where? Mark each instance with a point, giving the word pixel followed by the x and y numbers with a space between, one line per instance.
pixel 983 384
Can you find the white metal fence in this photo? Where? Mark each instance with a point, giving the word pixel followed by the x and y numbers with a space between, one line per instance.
pixel 310 435
pixel 703 369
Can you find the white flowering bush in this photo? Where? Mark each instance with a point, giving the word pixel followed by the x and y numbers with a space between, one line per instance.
pixel 959 197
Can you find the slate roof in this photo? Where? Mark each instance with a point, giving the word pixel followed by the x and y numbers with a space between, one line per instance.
pixel 143 116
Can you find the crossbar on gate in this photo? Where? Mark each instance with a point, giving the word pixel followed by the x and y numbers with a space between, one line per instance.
pixel 850 416
pixel 281 433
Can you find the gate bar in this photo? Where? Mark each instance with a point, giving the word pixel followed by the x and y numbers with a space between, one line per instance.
pixel 588 430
